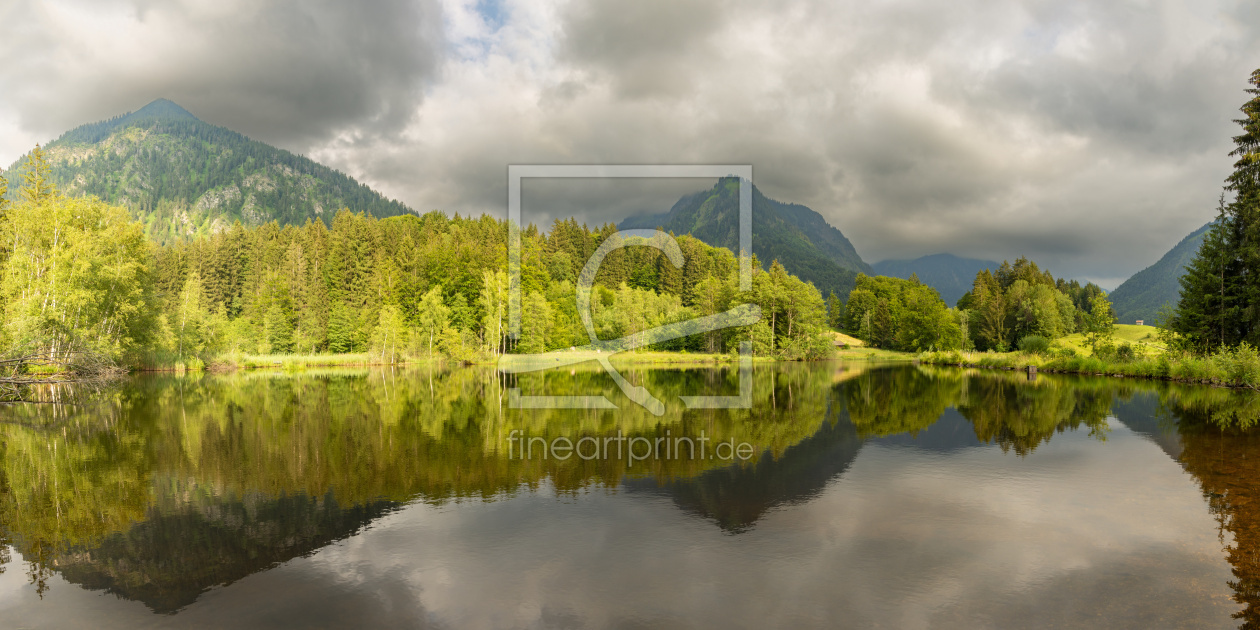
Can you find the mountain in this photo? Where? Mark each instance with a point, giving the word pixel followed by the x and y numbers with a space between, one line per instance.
pixel 182 176
pixel 950 275
pixel 1142 295
pixel 796 236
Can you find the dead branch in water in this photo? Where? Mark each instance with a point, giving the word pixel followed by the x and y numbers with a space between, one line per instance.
pixel 25 369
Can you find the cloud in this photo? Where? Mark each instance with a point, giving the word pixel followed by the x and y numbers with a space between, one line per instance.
pixel 292 73
pixel 1090 137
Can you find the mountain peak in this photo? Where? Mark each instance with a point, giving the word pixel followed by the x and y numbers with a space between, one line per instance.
pixel 185 177
pixel 162 108
pixel 795 235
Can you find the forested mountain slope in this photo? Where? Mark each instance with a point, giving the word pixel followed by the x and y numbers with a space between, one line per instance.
pixel 183 177
pixel 1142 295
pixel 950 275
pixel 793 234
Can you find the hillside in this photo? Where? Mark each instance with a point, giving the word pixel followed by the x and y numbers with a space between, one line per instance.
pixel 950 275
pixel 793 234
pixel 182 176
pixel 1141 296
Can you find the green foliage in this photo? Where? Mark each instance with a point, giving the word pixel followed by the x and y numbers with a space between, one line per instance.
pixel 901 314
pixel 278 331
pixel 950 275
pixel 391 335
pixel 1034 344
pixel 835 312
pixel 1020 300
pixel 432 318
pixel 77 278
pixel 78 274
pixel 1099 329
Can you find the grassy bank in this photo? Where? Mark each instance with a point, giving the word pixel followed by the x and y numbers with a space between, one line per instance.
pixel 242 361
pixel 1142 337
pixel 1238 367
pixel 850 348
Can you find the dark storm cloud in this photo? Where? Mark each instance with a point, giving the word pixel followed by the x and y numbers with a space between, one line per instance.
pixel 290 72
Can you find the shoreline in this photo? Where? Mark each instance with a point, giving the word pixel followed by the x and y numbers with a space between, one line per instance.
pixel 1238 369
pixel 232 363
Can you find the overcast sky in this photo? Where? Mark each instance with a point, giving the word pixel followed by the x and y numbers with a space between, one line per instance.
pixel 1089 136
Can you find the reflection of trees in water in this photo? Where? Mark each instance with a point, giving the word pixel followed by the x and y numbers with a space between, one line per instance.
pixel 170 558
pixel 1004 408
pixel 735 497
pixel 170 485
pixel 1226 464
pixel 888 402
pixel 94 494
pixel 1019 415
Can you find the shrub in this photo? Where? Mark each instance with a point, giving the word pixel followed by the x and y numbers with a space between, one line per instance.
pixel 1125 353
pixel 1034 344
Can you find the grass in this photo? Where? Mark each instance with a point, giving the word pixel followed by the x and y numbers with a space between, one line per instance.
pixel 1143 337
pixel 300 361
pixel 855 349
pixel 873 354
pixel 1238 367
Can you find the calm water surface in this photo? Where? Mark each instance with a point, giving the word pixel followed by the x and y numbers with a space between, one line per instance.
pixel 901 497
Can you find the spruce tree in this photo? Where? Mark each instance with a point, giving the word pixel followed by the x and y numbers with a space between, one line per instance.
pixel 37 181
pixel 1220 292
pixel 835 312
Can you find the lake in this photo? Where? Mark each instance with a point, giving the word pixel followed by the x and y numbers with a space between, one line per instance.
pixel 848 495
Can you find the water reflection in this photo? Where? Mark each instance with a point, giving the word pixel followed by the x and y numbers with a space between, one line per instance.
pixel 168 486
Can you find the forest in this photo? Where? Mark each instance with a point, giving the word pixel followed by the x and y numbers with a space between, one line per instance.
pixel 1018 306
pixel 80 277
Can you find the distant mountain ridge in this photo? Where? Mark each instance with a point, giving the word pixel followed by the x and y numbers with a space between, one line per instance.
pixel 950 275
pixel 184 177
pixel 1143 294
pixel 796 236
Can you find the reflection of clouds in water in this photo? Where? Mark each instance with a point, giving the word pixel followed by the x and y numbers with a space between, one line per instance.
pixel 1079 533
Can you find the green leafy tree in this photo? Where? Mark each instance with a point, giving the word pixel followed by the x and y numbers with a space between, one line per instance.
pixel 432 317
pixel 77 278
pixel 535 323
pixel 390 336
pixel 1099 327
pixel 493 302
